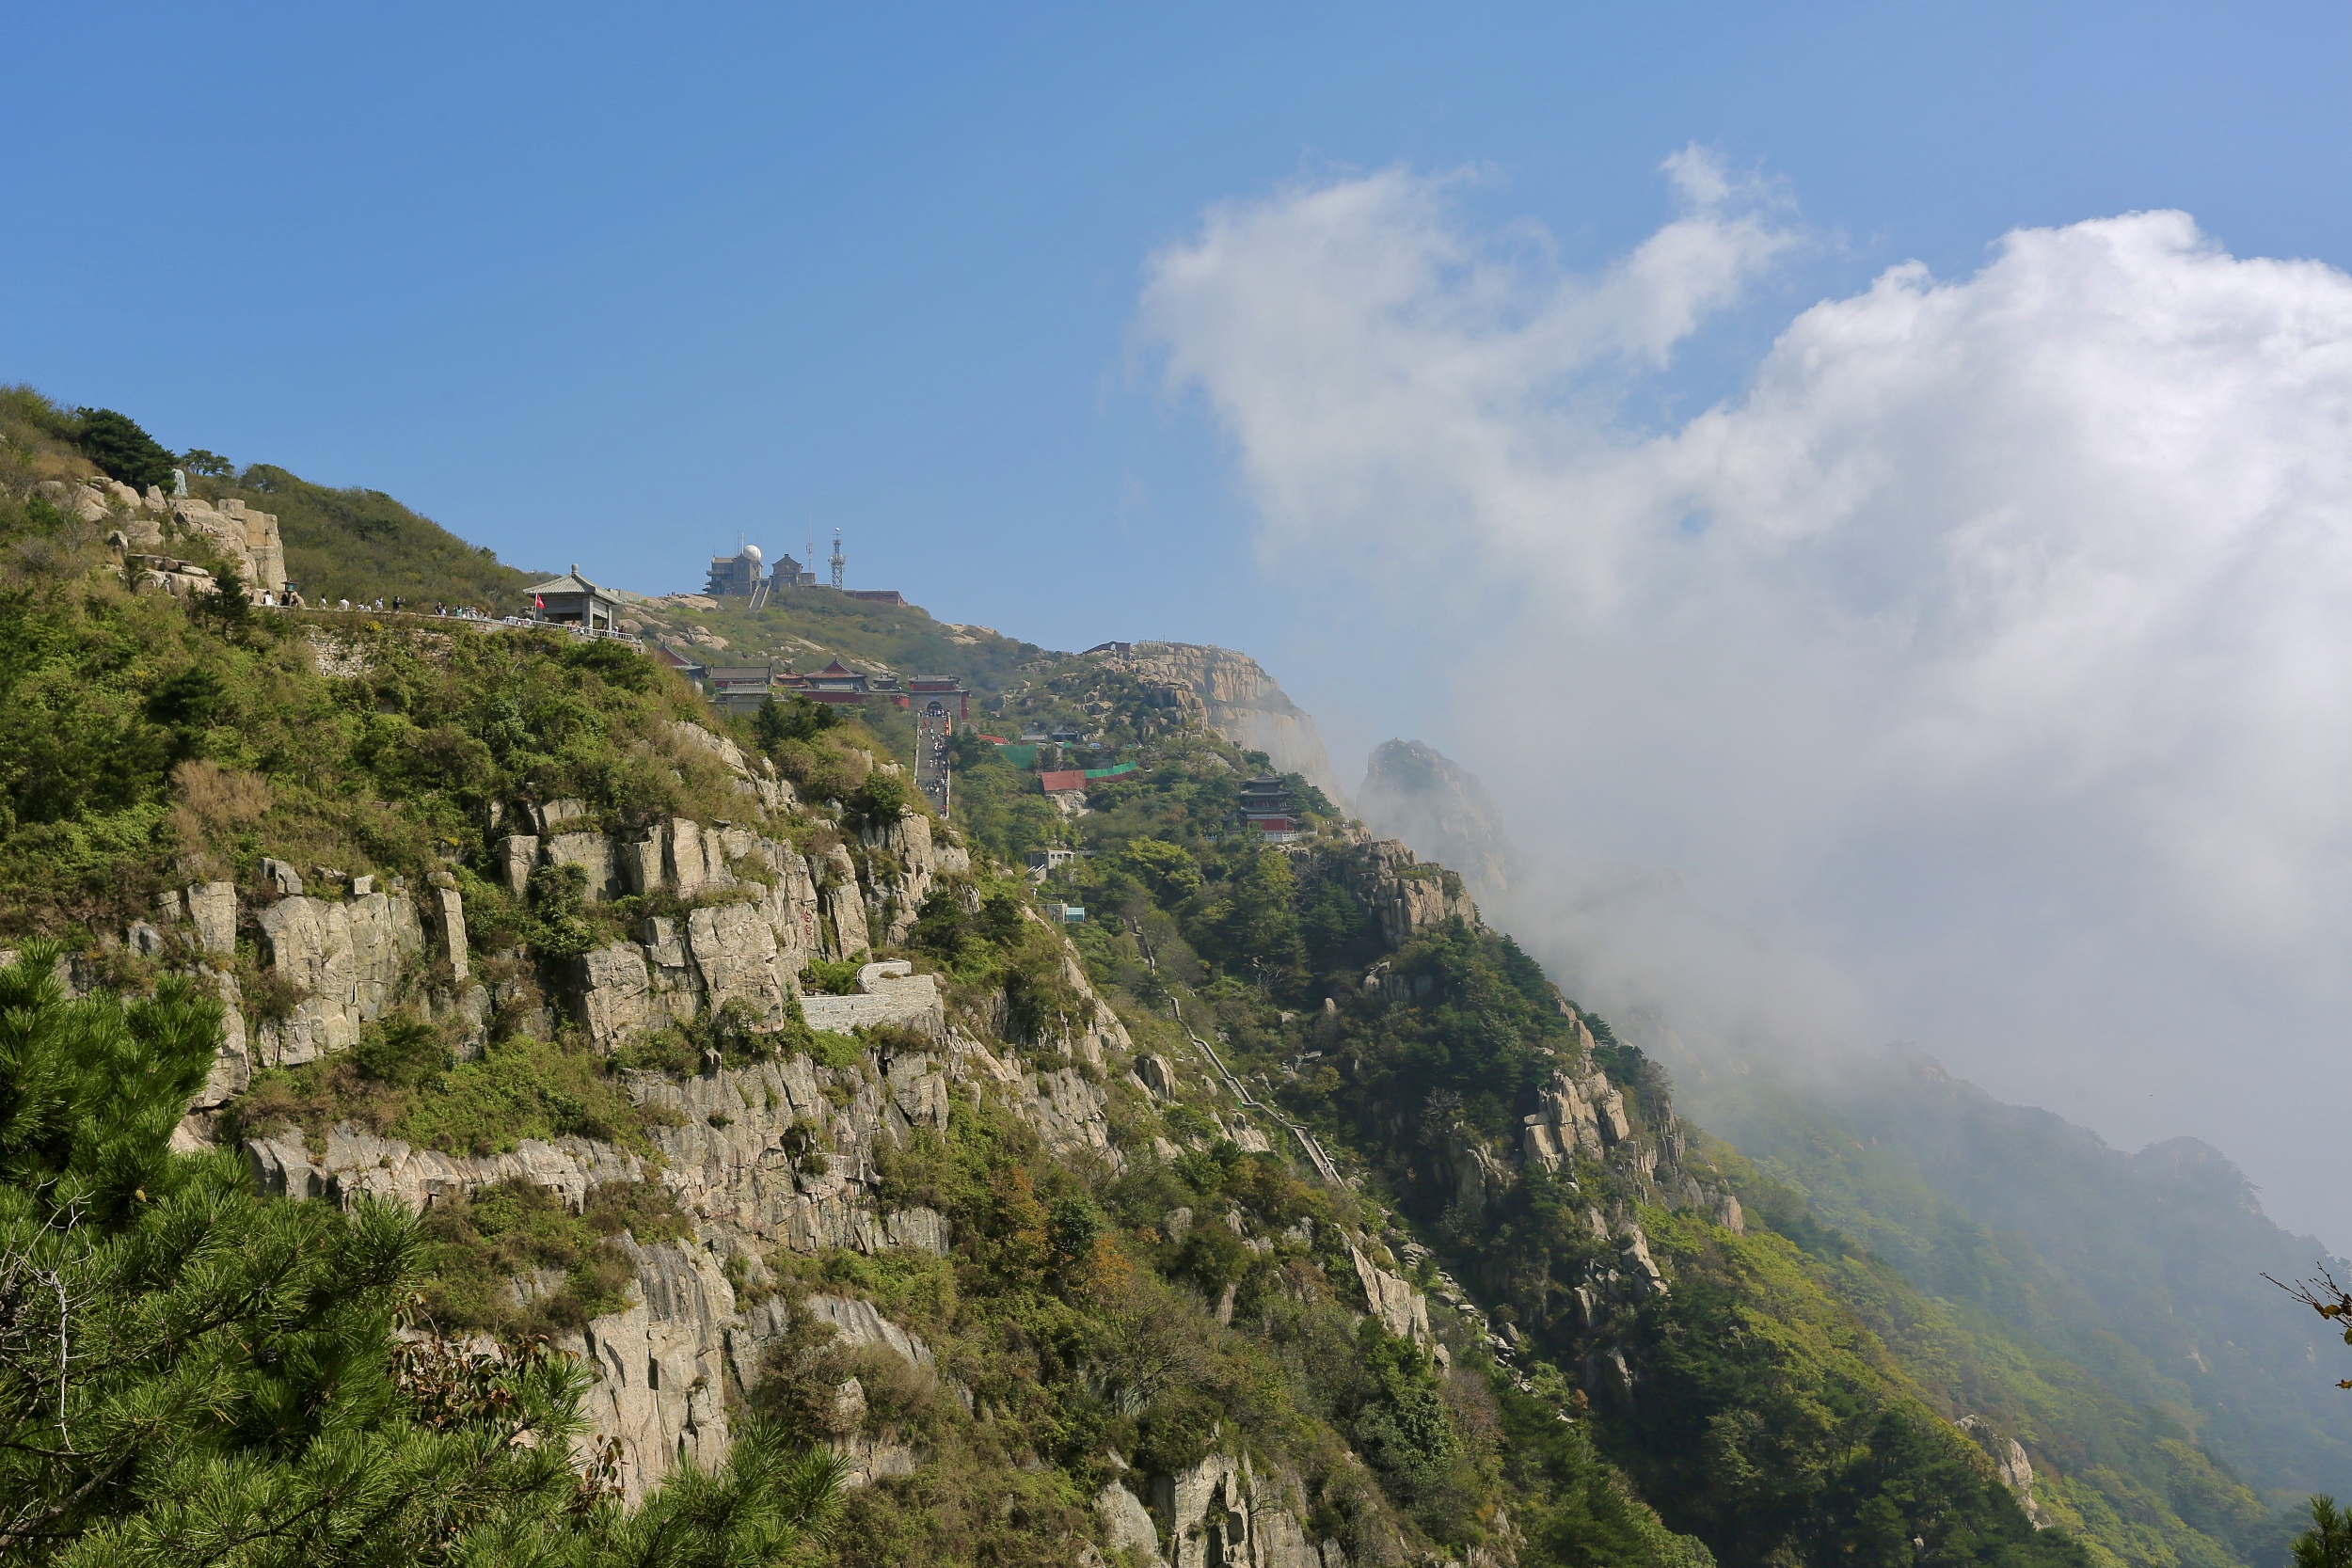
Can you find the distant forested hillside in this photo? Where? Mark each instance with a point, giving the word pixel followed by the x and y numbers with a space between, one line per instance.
pixel 2145 1270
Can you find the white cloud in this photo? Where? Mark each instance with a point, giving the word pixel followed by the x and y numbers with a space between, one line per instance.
pixel 1994 641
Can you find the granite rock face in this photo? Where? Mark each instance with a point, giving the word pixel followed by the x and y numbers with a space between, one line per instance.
pixel 1127 1523
pixel 248 539
pixel 352 961
pixel 358 1164
pixel 1222 1512
pixel 1582 1114
pixel 212 909
pixel 780 1153
pixel 239 533
pixel 2009 1463
pixel 888 992
pixel 661 1365
pixel 1403 1310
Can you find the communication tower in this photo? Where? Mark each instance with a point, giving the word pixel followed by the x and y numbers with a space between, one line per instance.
pixel 840 563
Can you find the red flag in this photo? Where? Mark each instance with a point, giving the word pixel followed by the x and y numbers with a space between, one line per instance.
pixel 538 603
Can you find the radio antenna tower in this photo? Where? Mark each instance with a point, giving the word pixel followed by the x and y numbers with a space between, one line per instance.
pixel 840 561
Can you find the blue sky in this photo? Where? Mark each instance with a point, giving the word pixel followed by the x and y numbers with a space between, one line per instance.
pixel 614 285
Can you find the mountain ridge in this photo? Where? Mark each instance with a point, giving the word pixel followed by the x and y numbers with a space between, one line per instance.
pixel 702 1046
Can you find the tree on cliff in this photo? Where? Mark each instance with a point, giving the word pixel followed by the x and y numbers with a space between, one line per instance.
pixel 117 444
pixel 189 1373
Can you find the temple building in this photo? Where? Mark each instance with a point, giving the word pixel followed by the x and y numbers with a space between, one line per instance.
pixel 1266 806
pixel 835 685
pixel 743 688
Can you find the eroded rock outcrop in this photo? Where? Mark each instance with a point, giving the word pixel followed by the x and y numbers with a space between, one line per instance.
pixel 1224 1512
pixel 2009 1463
pixel 247 538
pixel 358 1164
pixel 1582 1113
pixel 1405 895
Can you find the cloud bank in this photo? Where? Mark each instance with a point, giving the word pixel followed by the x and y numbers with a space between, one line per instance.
pixel 1986 660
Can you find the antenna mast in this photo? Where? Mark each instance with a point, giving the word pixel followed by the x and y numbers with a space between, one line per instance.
pixel 839 560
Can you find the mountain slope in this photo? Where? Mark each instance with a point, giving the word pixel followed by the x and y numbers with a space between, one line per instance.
pixel 1277 1212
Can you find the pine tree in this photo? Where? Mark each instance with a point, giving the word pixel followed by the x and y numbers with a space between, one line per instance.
pixel 192 1373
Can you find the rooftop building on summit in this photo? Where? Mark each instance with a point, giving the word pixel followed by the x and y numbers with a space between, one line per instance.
pixel 741 576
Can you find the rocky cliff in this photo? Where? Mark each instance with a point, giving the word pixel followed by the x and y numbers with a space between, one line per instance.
pixel 247 540
pixel 1242 703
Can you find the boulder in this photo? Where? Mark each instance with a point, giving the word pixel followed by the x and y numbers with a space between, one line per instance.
pixel 213 910
pixel 449 930
pixel 616 993
pixel 1127 1523
pixel 843 906
pixel 518 853
pixel 592 853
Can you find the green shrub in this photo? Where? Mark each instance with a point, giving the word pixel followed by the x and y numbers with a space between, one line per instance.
pixel 830 977
pixel 796 719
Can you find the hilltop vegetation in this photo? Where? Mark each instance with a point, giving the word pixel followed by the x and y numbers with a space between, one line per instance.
pixel 355 544
pixel 2138 1280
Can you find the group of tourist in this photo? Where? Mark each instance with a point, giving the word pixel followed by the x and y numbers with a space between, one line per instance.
pixel 398 606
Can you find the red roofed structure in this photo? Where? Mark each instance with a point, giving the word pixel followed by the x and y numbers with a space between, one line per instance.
pixel 835 685
pixel 1063 778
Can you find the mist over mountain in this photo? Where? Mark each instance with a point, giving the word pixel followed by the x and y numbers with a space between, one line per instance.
pixel 1414 792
